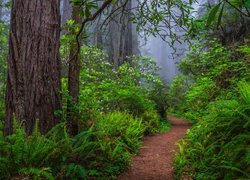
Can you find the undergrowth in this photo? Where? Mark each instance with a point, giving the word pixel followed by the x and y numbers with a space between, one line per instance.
pixel 218 146
pixel 215 95
pixel 117 108
pixel 104 150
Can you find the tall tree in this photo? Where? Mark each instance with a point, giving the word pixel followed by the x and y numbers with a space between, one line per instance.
pixel 74 61
pixel 33 82
pixel 73 78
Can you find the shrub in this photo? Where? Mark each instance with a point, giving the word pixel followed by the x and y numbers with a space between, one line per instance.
pixel 102 151
pixel 128 88
pixel 122 127
pixel 218 146
pixel 151 120
pixel 211 71
pixel 176 94
pixel 49 156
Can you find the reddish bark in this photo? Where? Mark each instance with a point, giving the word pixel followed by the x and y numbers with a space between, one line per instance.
pixel 33 83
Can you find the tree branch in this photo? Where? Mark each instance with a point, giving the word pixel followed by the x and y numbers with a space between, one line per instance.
pixel 105 4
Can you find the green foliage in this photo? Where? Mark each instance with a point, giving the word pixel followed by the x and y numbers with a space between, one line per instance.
pixel 159 96
pixel 215 62
pixel 116 110
pixel 129 88
pixel 19 154
pixel 213 13
pixel 3 67
pixel 223 19
pixel 176 94
pixel 122 127
pixel 85 7
pixel 153 18
pixel 151 120
pixel 102 151
pixel 199 94
pixel 212 73
pixel 218 8
pixel 218 147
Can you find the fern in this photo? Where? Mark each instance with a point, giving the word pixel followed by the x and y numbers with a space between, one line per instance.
pixel 218 146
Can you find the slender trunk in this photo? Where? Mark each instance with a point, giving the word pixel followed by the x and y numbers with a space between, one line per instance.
pixel 73 81
pixel 33 82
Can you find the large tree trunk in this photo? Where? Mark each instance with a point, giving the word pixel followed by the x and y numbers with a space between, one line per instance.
pixel 73 80
pixel 33 83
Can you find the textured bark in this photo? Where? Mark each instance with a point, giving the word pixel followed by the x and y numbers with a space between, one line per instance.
pixel 33 82
pixel 73 80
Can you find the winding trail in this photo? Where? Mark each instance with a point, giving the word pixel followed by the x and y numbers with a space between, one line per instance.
pixel 154 160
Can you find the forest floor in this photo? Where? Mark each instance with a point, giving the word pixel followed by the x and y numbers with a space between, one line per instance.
pixel 155 158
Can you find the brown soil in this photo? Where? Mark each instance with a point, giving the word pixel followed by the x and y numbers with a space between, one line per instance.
pixel 155 159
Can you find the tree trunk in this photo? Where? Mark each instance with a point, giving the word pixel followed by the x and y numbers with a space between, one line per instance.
pixel 33 82
pixel 73 80
pixel 120 29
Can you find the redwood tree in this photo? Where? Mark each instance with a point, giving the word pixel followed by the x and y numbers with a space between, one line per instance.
pixel 33 82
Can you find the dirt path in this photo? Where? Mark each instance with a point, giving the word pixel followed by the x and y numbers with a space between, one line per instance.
pixel 154 160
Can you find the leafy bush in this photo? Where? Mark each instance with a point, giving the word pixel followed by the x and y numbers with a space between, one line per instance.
pixel 218 147
pixel 122 126
pixel 210 72
pixel 102 151
pixel 128 88
pixel 176 94
pixel 198 96
pixel 119 137
pixel 159 95
pixel 49 156
pixel 151 120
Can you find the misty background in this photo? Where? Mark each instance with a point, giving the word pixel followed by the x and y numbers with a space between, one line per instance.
pixel 158 48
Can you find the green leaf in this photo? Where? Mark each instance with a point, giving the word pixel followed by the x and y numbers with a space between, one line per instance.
pixel 212 14
pixel 247 4
pixel 220 16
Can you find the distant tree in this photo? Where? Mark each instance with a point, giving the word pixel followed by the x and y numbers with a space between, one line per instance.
pixel 120 33
pixel 33 82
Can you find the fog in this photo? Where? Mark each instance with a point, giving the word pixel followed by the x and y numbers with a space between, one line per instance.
pixel 166 57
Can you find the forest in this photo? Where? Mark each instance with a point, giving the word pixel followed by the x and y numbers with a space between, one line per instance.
pixel 125 89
